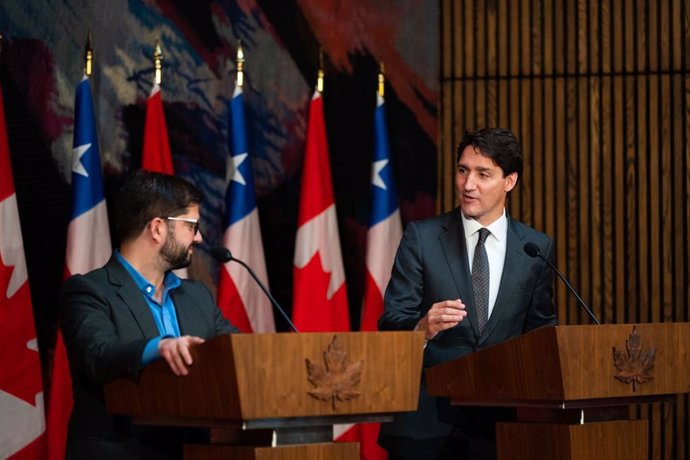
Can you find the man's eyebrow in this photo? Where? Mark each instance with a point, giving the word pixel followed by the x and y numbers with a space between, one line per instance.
pixel 478 168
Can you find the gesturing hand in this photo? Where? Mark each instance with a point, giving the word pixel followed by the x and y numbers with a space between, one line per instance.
pixel 441 316
pixel 175 351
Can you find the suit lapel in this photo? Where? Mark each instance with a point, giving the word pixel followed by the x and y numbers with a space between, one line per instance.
pixel 454 247
pixel 132 297
pixel 186 319
pixel 509 282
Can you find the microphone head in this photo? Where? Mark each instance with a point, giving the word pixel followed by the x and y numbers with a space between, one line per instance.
pixel 221 254
pixel 532 249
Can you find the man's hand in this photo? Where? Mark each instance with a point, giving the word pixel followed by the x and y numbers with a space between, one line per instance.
pixel 441 316
pixel 175 351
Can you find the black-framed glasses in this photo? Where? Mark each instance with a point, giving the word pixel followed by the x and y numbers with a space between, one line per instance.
pixel 193 222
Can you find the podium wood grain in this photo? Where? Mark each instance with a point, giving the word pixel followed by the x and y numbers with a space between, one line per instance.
pixel 552 373
pixel 528 441
pixel 565 363
pixel 324 451
pixel 244 377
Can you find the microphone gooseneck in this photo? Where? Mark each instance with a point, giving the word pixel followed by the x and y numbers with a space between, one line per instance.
pixel 223 255
pixel 533 250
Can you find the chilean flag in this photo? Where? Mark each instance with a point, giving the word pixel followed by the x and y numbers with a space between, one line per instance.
pixel 22 422
pixel 88 248
pixel 240 299
pixel 319 295
pixel 385 227
pixel 383 237
pixel 156 155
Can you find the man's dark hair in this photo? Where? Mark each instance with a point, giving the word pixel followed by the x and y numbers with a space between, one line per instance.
pixel 499 144
pixel 146 195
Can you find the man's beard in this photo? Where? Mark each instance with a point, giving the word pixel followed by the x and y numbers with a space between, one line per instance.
pixel 175 254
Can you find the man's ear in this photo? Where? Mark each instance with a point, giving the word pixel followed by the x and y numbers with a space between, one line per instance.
pixel 155 229
pixel 511 181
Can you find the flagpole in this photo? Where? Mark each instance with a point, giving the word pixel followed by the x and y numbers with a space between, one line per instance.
pixel 239 81
pixel 157 63
pixel 88 55
pixel 319 74
pixel 382 78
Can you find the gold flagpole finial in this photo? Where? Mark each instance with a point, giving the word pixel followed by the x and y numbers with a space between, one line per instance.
pixel 157 63
pixel 319 75
pixel 382 79
pixel 240 64
pixel 88 55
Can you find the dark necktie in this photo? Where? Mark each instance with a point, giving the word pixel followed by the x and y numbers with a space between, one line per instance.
pixel 480 279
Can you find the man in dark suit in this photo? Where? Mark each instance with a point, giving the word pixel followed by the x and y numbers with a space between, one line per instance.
pixel 464 279
pixel 117 319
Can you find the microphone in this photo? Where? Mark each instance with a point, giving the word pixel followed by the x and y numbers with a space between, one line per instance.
pixel 223 255
pixel 533 250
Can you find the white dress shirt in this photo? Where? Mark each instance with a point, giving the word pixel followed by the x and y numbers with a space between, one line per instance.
pixel 495 250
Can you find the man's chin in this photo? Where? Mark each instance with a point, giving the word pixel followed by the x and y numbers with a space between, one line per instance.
pixel 468 212
pixel 182 263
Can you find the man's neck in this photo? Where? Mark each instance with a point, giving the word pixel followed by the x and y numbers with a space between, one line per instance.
pixel 485 222
pixel 146 264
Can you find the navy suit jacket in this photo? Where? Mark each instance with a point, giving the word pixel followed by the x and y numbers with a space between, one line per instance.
pixel 106 323
pixel 432 265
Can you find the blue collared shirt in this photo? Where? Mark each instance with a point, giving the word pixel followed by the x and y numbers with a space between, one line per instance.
pixel 164 313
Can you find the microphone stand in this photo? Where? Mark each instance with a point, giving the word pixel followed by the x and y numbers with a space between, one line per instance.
pixel 532 250
pixel 268 294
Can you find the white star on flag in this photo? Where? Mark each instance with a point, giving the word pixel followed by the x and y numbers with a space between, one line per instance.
pixel 77 165
pixel 376 178
pixel 236 162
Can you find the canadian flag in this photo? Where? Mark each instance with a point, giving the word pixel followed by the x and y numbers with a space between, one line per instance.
pixel 239 297
pixel 156 154
pixel 319 293
pixel 22 422
pixel 88 248
pixel 383 237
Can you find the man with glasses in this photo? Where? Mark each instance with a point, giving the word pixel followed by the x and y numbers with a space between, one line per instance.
pixel 117 319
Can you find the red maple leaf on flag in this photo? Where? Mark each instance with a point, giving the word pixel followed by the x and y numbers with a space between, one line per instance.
pixel 325 314
pixel 17 332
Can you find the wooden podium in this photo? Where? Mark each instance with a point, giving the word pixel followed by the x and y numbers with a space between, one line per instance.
pixel 293 387
pixel 572 387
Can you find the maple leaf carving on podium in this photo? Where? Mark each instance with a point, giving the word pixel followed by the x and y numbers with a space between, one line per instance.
pixel 635 364
pixel 335 380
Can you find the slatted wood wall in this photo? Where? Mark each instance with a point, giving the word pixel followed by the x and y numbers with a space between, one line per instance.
pixel 598 93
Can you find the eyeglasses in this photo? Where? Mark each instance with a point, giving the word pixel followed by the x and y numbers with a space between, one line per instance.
pixel 193 222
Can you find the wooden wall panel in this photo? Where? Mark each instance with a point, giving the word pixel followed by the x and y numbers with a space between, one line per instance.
pixel 598 92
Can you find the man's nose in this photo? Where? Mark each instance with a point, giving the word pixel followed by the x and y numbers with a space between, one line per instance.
pixel 470 181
